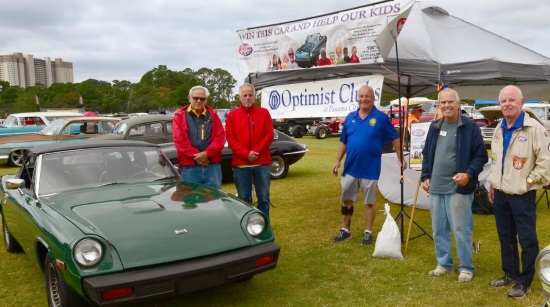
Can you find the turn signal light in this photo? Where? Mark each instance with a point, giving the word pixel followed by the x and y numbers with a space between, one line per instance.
pixel 116 293
pixel 264 260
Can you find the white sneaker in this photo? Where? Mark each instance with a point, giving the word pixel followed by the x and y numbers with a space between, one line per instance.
pixel 465 276
pixel 438 271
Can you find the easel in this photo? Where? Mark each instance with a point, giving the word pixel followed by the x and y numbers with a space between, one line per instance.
pixel 411 221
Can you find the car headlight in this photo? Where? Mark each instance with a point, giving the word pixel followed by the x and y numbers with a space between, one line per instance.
pixel 87 252
pixel 543 269
pixel 255 224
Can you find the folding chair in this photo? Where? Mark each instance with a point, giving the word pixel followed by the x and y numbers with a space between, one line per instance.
pixel 544 193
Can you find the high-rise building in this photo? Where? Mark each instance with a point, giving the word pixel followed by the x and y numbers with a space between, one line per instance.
pixel 24 70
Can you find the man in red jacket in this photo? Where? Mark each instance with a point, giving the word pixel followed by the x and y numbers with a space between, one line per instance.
pixel 249 131
pixel 199 138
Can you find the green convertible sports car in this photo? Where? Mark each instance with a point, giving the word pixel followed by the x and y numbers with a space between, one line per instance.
pixel 111 222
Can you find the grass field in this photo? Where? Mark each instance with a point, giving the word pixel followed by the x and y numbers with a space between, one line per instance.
pixel 313 271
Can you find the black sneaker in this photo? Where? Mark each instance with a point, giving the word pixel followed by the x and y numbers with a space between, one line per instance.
pixel 367 238
pixel 342 236
pixel 501 282
pixel 518 291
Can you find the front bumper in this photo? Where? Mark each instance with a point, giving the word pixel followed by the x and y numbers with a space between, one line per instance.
pixel 184 277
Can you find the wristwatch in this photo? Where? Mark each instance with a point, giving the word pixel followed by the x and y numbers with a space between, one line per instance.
pixel 529 180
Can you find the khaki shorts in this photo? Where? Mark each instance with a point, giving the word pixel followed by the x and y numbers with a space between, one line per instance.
pixel 351 186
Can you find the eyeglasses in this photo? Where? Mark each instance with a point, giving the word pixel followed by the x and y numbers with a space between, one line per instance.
pixel 199 98
pixel 291 54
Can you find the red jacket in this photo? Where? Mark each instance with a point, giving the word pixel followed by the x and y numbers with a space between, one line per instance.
pixel 249 129
pixel 186 151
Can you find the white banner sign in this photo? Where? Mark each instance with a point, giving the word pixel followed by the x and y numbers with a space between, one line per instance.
pixel 347 37
pixel 328 98
pixel 419 132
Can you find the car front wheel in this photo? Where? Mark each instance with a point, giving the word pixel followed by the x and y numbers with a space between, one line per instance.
pixel 279 167
pixel 12 246
pixel 16 157
pixel 59 294
pixel 321 132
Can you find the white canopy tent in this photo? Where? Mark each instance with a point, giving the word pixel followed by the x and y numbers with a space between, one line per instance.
pixel 413 101
pixel 432 44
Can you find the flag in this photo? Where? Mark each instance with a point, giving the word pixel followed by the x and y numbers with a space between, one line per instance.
pixel 387 37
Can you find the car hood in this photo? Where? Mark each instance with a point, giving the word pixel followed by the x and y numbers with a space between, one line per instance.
pixel 151 224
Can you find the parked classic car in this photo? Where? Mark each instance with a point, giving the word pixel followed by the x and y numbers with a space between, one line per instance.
pixel 320 129
pixel 60 130
pixel 493 115
pixel 111 222
pixel 30 122
pixel 543 271
pixel 284 150
pixel 156 129
pixel 308 54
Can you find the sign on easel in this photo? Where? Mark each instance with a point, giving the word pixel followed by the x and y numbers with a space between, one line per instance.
pixel 419 132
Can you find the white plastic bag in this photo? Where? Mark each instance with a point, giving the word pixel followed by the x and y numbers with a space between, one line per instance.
pixel 388 242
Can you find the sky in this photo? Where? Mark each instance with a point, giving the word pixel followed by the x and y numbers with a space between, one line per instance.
pixel 122 40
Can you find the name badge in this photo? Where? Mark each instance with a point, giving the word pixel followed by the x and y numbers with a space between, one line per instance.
pixel 443 133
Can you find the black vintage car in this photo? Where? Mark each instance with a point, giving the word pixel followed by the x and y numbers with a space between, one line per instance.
pixel 157 129
pixel 308 54
pixel 284 152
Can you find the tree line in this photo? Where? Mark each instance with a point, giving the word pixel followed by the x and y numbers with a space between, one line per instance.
pixel 159 89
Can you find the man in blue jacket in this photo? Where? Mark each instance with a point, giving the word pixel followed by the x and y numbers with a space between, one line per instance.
pixel 454 156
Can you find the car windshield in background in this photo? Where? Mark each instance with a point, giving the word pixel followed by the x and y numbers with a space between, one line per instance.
pixel 11 121
pixel 54 127
pixel 222 113
pixel 77 169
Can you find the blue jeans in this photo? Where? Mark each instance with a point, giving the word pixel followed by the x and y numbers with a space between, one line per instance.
pixel 453 212
pixel 210 175
pixel 244 177
pixel 516 218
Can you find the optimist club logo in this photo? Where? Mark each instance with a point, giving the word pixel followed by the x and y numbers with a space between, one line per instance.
pixel 245 49
pixel 274 100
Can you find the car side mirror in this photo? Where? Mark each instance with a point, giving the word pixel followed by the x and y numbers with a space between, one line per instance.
pixel 13 184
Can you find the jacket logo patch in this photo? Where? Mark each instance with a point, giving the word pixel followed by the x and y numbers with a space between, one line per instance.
pixel 522 139
pixel 497 138
pixel 372 121
pixel 518 162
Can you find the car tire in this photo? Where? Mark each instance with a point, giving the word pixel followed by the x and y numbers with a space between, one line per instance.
pixel 12 246
pixel 58 292
pixel 279 167
pixel 321 132
pixel 290 127
pixel 298 132
pixel 16 157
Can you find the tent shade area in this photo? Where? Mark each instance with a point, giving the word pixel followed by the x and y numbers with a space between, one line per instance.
pixel 427 54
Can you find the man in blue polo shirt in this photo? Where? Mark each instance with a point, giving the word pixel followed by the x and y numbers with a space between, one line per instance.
pixel 362 141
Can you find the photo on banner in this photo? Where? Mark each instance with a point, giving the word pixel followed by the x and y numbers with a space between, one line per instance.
pixel 419 132
pixel 340 38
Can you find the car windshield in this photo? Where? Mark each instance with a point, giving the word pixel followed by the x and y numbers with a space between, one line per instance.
pixel 539 112
pixel 88 168
pixel 54 127
pixel 120 128
pixel 11 121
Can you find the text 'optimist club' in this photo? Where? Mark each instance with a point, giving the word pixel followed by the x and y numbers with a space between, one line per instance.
pixel 343 99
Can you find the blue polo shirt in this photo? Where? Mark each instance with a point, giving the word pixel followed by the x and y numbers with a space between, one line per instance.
pixel 507 134
pixel 365 140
